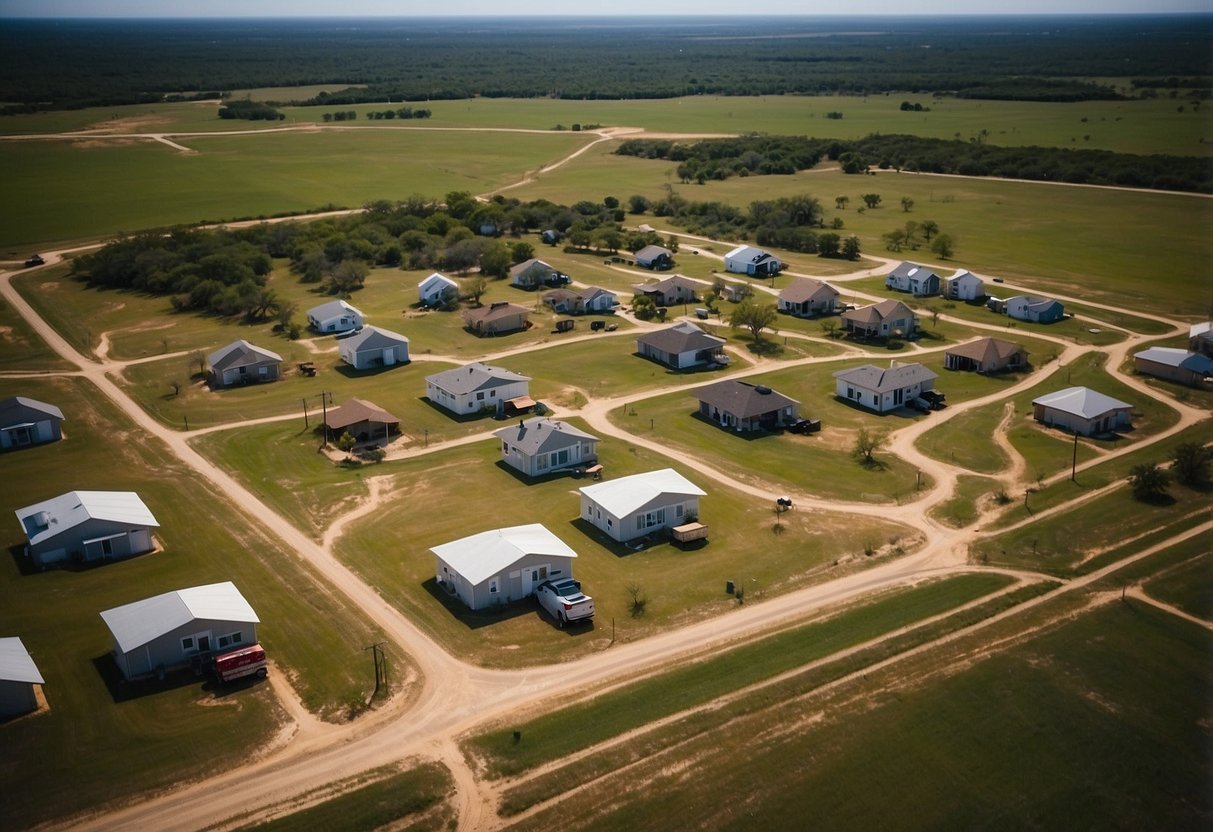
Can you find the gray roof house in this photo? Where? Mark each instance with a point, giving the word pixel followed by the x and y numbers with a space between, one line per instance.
pixel 672 290
pixel 1032 308
pixel 752 261
pixel 243 363
pixel 1191 368
pixel 335 316
pixel 543 446
pixel 964 285
pixel 166 631
pixel 502 565
pixel 883 389
pixel 681 347
pixel 25 421
pixel 469 389
pixel 1082 410
pixel 985 355
pixel 880 320
pixel 740 406
pixel 18 675
pixel 806 298
pixel 87 525
pixel 913 278
pixel 1200 338
pixel 432 290
pixel 641 504
pixel 372 347
pixel 531 274
pixel 655 257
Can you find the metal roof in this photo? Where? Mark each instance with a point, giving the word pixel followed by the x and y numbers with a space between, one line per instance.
pixel 542 435
pixel 495 312
pixel 986 349
pixel 48 518
pixel 472 377
pixel 138 623
pixel 437 278
pixel 372 338
pixel 332 309
pixel 1082 401
pixel 891 309
pixel 483 555
pixel 1173 357
pixel 623 496
pixel 16 665
pixel 239 354
pixel 680 338
pixel 16 409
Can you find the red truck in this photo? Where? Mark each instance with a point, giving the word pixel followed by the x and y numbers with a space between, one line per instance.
pixel 247 661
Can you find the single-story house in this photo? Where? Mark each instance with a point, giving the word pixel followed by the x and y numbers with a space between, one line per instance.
pixel 681 346
pixel 474 387
pixel 918 280
pixel 497 318
pixel 807 298
pixel 25 421
pixel 1082 410
pixel 634 506
pixel 18 675
pixel 243 363
pixel 673 290
pixel 531 274
pixel 985 355
pixel 1031 308
pixel 335 316
pixel 87 525
pixel 502 565
pixel 881 320
pixel 883 389
pixel 658 258
pixel 168 630
pixel 541 446
pixel 1200 338
pixel 964 285
pixel 434 289
pixel 752 261
pixel 580 301
pixel 374 347
pixel 739 406
pixel 363 420
pixel 996 305
pixel 1183 366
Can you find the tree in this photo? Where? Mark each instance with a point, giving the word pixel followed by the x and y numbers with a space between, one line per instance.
pixel 475 287
pixel 495 260
pixel 286 311
pixel 841 202
pixel 911 230
pixel 261 303
pixel 943 246
pixel 1191 464
pixel 894 240
pixel 521 251
pixel 347 276
pixel 644 308
pixel 638 204
pixel 1149 482
pixel 346 442
pixel 753 316
pixel 850 248
pixel 871 200
pixel 929 229
pixel 828 245
pixel 906 203
pixel 610 203
pixel 867 443
pixel 198 357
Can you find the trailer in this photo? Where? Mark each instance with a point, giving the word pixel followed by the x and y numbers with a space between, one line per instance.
pixel 246 661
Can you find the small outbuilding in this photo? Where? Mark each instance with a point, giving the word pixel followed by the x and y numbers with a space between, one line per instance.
pixel 964 285
pixel 242 363
pixel 363 420
pixel 496 567
pixel 1183 366
pixel 658 258
pixel 752 261
pixel 436 289
pixel 335 316
pixel 985 355
pixel 634 506
pixel 167 631
pixel 1083 411
pixel 1035 309
pixel 683 346
pixel 87 526
pixel 918 280
pixel 543 446
pixel 372 347
pixel 741 406
pixel 18 676
pixel 25 422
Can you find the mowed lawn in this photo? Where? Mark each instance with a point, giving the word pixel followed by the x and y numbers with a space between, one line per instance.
pixel 155 734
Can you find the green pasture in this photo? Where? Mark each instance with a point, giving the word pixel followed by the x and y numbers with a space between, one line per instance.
pixel 961 509
pixel 21 348
pixel 1061 730
pixel 1188 586
pixel 156 734
pixel 583 725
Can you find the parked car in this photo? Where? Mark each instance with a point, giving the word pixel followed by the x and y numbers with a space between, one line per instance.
pixel 564 600
pixel 36 260
pixel 934 398
pixel 805 426
pixel 558 279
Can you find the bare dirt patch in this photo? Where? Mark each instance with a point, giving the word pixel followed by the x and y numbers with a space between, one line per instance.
pixel 131 124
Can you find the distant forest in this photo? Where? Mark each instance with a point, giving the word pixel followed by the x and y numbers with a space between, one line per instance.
pixel 63 64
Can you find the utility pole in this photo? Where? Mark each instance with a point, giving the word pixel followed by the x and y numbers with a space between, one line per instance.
pixel 305 424
pixel 379 657
pixel 324 407
pixel 1074 460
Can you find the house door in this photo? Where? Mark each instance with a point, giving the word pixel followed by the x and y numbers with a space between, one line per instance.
pixel 389 356
pixel 533 576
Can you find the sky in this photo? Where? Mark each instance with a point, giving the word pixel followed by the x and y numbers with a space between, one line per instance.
pixel 604 8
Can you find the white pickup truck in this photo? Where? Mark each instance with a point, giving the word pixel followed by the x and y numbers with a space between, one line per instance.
pixel 564 600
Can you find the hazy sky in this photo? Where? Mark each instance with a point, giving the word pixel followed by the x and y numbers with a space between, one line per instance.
pixel 613 8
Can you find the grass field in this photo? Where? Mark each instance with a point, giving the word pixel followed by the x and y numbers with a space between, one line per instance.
pixel 1188 586
pixel 961 509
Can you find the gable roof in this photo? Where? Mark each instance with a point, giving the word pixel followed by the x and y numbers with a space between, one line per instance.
pixel 495 312
pixel 16 409
pixel 806 288
pixel 534 263
pixel 541 435
pixel 680 338
pixel 742 399
pixel 436 279
pixel 590 293
pixel 358 410
pixel 891 309
pixel 483 555
pixel 332 309
pixel 1201 330
pixel 986 349
pixel 1081 401
pixel 1172 357
pixel 1034 302
pixel 373 338
pixel 965 275
pixel 16 665
pixel 664 285
pixel 50 517
pixel 653 252
pixel 754 255
pixel 471 377
pixel 882 380
pixel 239 354
pixel 138 623
pixel 623 496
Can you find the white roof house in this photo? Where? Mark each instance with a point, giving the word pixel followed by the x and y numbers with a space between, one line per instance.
pixel 630 507
pixel 18 675
pixel 165 630
pixel 335 316
pixel 431 290
pixel 501 565
pixel 87 524
pixel 964 285
pixel 752 261
pixel 1082 410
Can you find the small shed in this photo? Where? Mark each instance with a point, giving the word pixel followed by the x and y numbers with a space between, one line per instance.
pixel 372 347
pixel 1083 411
pixel 243 363
pixel 18 676
pixel 363 420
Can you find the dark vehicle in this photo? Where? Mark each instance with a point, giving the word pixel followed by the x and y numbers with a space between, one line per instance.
pixel 558 279
pixel 36 260
pixel 920 404
pixel 805 426
pixel 934 398
pixel 597 325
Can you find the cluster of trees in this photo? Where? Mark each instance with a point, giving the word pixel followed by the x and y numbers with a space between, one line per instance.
pixel 250 111
pixel 1190 464
pixel 753 154
pixel 379 115
pixel 913 235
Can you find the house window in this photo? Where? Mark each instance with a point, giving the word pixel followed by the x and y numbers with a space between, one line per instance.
pixel 480 396
pixel 493 587
pixel 230 639
pixel 541 462
pixel 561 457
pixel 187 644
pixel 505 447
pixel 492 393
pixel 678 510
pixel 107 547
pixel 608 522
pixel 850 392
